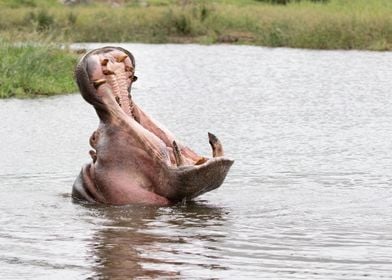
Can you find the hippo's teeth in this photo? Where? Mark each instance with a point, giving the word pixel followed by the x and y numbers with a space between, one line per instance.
pixel 201 161
pixel 104 62
pixel 128 68
pixel 177 154
pixel 99 82
pixel 217 149
pixel 121 58
pixel 107 72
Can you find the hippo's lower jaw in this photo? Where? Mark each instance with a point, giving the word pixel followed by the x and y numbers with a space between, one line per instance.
pixel 135 159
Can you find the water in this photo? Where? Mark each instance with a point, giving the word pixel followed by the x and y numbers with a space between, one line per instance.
pixel 309 196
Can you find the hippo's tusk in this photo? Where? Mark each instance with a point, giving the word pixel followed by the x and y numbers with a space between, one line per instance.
pixel 99 82
pixel 201 161
pixel 104 62
pixel 121 58
pixel 177 154
pixel 217 149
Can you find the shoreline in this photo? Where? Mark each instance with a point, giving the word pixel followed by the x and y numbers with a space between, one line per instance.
pixel 44 85
pixel 51 27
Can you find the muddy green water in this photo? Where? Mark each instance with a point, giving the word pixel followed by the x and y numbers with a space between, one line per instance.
pixel 309 196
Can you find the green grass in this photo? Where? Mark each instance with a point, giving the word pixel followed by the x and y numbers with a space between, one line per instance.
pixel 337 24
pixel 29 71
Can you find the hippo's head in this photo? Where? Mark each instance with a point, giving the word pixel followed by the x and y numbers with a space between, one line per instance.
pixel 134 158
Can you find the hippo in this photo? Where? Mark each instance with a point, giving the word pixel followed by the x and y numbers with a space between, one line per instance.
pixel 136 160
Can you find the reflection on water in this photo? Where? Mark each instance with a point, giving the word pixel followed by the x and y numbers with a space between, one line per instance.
pixel 143 241
pixel 308 197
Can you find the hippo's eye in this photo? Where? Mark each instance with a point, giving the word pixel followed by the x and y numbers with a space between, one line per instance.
pixel 134 79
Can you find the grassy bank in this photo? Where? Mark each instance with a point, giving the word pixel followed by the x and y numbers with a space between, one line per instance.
pixel 336 24
pixel 28 71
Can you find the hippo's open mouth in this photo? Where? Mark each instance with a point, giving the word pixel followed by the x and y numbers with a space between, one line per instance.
pixel 136 159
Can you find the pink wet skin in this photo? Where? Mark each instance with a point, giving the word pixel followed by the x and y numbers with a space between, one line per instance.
pixel 136 159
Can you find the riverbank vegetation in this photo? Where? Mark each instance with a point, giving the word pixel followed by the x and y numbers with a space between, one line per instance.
pixel 333 24
pixel 35 70
pixel 314 24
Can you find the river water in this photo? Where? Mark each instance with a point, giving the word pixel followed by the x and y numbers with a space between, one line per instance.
pixel 309 195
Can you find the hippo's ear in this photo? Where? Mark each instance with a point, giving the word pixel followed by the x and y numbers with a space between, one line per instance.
pixel 134 78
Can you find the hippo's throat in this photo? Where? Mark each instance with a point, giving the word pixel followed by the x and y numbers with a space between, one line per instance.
pixel 118 82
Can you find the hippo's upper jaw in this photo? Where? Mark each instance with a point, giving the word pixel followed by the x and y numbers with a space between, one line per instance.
pixel 135 159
